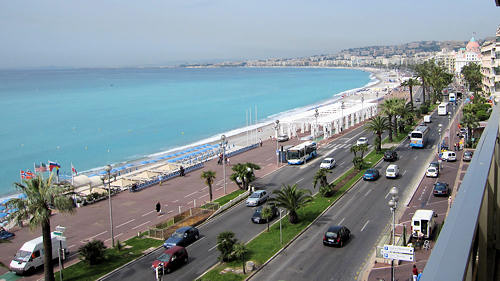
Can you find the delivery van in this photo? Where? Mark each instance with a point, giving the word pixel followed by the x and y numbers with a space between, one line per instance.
pixel 422 223
pixel 427 119
pixel 449 156
pixel 31 256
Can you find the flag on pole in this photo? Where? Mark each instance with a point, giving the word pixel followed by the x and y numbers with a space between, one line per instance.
pixel 39 168
pixel 29 175
pixel 53 165
pixel 44 167
pixel 22 174
pixel 73 169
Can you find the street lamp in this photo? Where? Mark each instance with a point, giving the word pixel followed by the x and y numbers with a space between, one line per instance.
pixel 281 234
pixel 393 204
pixel 362 101
pixel 342 109
pixel 103 178
pixel 223 143
pixel 316 114
pixel 276 127
pixel 439 140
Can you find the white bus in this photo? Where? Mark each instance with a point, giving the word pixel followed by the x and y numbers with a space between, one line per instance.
pixel 443 108
pixel 418 137
pixel 300 153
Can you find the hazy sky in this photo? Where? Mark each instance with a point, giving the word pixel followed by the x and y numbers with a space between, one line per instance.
pixel 88 33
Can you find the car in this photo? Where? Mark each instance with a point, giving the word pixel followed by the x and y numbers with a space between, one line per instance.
pixel 468 156
pixel 258 197
pixel 390 155
pixel 449 156
pixel 182 237
pixel 327 163
pixel 171 259
pixel 371 174
pixel 441 188
pixel 282 138
pixel 257 215
pixel 434 164
pixel 392 171
pixel 4 234
pixel 432 172
pixel 336 235
pixel 463 131
pixel 362 140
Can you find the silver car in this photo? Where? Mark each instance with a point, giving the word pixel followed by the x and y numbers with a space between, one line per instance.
pixel 282 138
pixel 257 198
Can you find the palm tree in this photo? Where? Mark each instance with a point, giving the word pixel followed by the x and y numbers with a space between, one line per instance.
pixel 41 197
pixel 209 177
pixel 388 108
pixel 240 252
pixel 410 83
pixel 470 121
pixel 243 174
pixel 400 110
pixel 320 177
pixel 291 198
pixel 225 244
pixel 378 125
pixel 266 213
pixel 422 71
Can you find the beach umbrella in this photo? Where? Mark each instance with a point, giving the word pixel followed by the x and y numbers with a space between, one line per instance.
pixel 93 175
pixel 120 168
pixel 3 215
pixel 114 170
pixel 171 161
pixel 129 165
pixel 5 201
pixel 144 162
pixel 12 211
pixel 102 172
pixel 22 196
pixel 153 161
pixel 2 208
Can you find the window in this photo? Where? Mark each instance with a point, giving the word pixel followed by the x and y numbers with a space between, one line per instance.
pixel 36 254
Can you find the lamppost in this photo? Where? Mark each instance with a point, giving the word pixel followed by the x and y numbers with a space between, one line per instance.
pixel 342 109
pixel 281 234
pixel 316 114
pixel 276 127
pixel 362 101
pixel 393 204
pixel 439 140
pixel 223 143
pixel 449 130
pixel 104 178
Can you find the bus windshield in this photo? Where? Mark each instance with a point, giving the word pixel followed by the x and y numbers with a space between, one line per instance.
pixel 416 135
pixel 294 154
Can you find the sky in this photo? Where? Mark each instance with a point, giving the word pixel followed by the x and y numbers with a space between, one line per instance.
pixel 123 33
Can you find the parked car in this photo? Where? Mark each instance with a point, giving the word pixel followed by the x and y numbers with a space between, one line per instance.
pixel 432 172
pixel 336 235
pixel 362 140
pixel 171 259
pixel 390 155
pixel 257 215
pixel 449 156
pixel 441 188
pixel 4 234
pixel 258 197
pixel 435 165
pixel 392 171
pixel 371 174
pixel 468 156
pixel 327 163
pixel 182 237
pixel 282 138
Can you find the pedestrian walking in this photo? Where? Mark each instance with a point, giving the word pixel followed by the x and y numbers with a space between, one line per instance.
pixel 158 208
pixel 455 146
pixel 260 142
pixel 181 171
pixel 415 272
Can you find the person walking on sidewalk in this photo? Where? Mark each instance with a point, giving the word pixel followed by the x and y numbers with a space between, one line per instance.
pixel 415 272
pixel 158 208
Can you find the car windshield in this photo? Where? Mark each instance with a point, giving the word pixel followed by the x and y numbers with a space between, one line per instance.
pixel 258 211
pixel 370 171
pixel 440 186
pixel 431 169
pixel 331 235
pixel 164 257
pixel 390 170
pixel 178 234
pixel 468 153
pixel 22 256
pixel 326 161
pixel 256 195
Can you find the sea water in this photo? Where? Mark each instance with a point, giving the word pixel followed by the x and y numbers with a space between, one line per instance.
pixel 94 117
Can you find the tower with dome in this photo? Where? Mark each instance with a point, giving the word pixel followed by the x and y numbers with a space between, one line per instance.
pixel 471 53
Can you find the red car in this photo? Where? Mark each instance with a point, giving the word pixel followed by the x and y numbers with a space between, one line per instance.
pixel 171 259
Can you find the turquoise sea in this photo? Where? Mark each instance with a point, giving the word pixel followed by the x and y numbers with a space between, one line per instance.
pixel 93 117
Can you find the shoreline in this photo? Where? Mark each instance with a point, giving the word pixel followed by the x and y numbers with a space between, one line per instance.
pixel 263 129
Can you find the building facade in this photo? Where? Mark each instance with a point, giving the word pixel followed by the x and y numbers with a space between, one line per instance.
pixel 471 53
pixel 490 68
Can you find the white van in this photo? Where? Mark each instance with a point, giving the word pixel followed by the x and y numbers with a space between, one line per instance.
pixel 427 119
pixel 392 171
pixel 31 256
pixel 449 156
pixel 422 223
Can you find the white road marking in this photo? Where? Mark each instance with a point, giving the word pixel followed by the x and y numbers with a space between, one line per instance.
pixel 341 221
pixel 213 247
pixel 175 201
pixel 171 211
pixel 205 187
pixel 203 196
pixel 71 246
pixel 92 237
pixel 147 213
pixel 219 188
pixel 404 172
pixel 299 180
pixel 193 193
pixel 196 241
pixel 125 223
pixel 141 225
pixel 115 237
pixel 369 190
pixel 363 228
pixel 342 163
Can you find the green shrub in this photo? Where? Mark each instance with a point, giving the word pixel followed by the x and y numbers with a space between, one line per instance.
pixel 92 252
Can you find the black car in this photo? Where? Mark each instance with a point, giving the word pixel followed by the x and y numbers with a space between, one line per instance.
pixel 390 155
pixel 182 237
pixel 336 235
pixel 435 165
pixel 4 234
pixel 468 156
pixel 441 188
pixel 257 215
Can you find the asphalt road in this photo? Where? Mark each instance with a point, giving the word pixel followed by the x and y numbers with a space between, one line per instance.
pixel 203 254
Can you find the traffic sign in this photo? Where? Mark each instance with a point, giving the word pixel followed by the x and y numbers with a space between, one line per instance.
pixel 399 249
pixel 398 256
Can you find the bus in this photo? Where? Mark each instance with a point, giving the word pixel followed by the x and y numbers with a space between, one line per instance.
pixel 418 137
pixel 443 108
pixel 452 97
pixel 300 153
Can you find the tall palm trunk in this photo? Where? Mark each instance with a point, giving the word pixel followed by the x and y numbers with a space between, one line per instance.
pixel 379 146
pixel 423 91
pixel 210 192
pixel 411 97
pixel 47 249
pixel 390 127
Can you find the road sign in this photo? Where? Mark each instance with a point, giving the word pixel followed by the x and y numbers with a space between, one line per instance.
pixel 399 249
pixel 398 256
pixel 57 233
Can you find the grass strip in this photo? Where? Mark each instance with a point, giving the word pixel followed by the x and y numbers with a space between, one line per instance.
pixel 226 198
pixel 265 245
pixel 114 259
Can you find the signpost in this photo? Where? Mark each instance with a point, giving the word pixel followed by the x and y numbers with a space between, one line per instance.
pixel 398 253
pixel 59 233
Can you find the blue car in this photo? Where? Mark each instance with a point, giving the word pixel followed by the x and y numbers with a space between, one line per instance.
pixel 182 237
pixel 4 234
pixel 371 174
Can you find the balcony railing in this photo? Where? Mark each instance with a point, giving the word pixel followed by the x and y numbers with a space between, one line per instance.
pixel 466 248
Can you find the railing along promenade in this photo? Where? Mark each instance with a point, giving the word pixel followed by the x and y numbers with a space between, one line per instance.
pixel 470 238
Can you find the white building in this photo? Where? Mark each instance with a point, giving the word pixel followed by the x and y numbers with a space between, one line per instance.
pixel 447 58
pixel 490 68
pixel 471 53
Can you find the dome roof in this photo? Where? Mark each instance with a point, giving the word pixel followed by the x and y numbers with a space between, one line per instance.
pixel 472 45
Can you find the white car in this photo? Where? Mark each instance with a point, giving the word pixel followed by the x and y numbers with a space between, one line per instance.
pixel 392 171
pixel 282 138
pixel 328 163
pixel 432 172
pixel 258 197
pixel 362 140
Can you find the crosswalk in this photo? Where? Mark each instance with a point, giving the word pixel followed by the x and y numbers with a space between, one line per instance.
pixel 338 145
